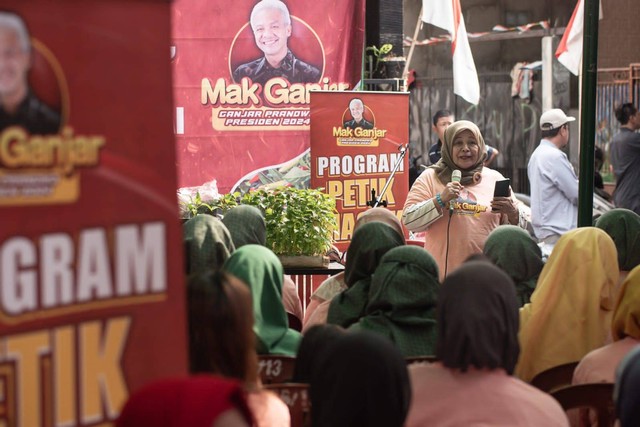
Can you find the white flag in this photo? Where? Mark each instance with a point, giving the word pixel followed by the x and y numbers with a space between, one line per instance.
pixel 447 14
pixel 569 51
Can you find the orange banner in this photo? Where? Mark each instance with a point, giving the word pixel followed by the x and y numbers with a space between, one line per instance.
pixel 358 139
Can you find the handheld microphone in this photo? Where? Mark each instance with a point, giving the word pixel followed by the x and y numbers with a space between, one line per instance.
pixel 456 176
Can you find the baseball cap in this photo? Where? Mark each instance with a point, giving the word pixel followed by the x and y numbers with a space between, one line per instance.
pixel 554 118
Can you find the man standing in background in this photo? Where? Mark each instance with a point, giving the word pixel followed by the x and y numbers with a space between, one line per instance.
pixel 625 158
pixel 554 184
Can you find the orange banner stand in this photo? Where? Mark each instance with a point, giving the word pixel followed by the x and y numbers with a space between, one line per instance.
pixel 357 139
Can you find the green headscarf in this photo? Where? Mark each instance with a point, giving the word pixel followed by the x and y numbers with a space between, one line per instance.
pixel 512 250
pixel 207 243
pixel 403 299
pixel 369 243
pixel 446 166
pixel 246 225
pixel 623 226
pixel 262 271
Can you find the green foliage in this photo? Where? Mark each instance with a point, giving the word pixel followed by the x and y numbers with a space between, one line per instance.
pixel 299 221
pixel 215 207
pixel 379 53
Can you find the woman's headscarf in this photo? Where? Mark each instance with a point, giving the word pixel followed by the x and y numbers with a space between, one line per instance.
pixel 623 225
pixel 627 390
pixel 570 311
pixel 402 300
pixel 247 225
pixel 445 165
pixel 314 343
pixel 370 242
pixel 514 252
pixel 361 380
pixel 207 242
pixel 261 270
pixel 176 402
pixel 478 319
pixel 382 215
pixel 626 316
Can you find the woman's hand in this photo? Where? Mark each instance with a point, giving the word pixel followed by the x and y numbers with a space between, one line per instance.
pixel 505 205
pixel 451 192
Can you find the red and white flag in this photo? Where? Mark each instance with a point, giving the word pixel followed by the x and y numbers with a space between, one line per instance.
pixel 569 51
pixel 447 14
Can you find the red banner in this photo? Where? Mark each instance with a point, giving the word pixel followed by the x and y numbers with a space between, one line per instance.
pixel 90 307
pixel 243 74
pixel 357 140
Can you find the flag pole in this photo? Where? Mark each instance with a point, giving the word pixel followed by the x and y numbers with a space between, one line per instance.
pixel 588 112
pixel 405 72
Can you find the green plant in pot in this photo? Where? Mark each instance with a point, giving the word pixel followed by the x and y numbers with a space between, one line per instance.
pixel 383 63
pixel 300 223
pixel 196 205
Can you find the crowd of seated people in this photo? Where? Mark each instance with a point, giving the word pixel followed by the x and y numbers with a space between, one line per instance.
pixel 495 322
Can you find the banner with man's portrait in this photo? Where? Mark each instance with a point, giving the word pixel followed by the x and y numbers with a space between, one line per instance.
pixel 243 75
pixel 92 295
pixel 359 153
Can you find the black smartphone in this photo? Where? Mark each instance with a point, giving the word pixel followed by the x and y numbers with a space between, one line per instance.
pixel 502 188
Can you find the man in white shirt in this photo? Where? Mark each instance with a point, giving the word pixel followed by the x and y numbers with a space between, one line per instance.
pixel 554 184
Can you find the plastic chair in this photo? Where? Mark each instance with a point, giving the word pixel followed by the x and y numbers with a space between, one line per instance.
pixel 274 368
pixel 555 377
pixel 296 397
pixel 420 359
pixel 597 397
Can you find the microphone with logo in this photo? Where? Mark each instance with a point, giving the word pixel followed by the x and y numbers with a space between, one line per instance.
pixel 456 176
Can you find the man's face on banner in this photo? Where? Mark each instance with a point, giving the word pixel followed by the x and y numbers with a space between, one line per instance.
pixel 14 62
pixel 271 32
pixel 357 108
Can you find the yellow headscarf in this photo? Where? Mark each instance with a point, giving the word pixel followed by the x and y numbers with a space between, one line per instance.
pixel 626 316
pixel 445 165
pixel 570 310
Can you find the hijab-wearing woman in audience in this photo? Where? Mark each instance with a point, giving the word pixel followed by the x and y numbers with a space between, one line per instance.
pixel 314 343
pixel 514 252
pixel 260 269
pixel 247 226
pixel 370 242
pixel 623 226
pixel 600 364
pixel 207 242
pixel 221 341
pixel 360 380
pixel 403 299
pixel 627 390
pixel 571 309
pixel 336 284
pixel 477 350
pixel 201 401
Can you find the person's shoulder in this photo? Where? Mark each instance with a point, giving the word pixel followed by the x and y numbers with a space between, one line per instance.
pixel 44 119
pixel 268 408
pixel 247 69
pixel 310 73
pixel 491 173
pixel 537 400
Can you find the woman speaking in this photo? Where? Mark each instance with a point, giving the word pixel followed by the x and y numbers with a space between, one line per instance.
pixel 458 213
